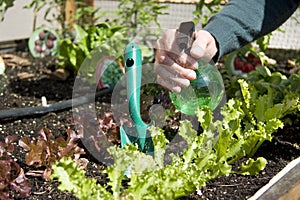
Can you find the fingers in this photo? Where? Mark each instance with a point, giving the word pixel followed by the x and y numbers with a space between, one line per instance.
pixel 173 66
pixel 174 77
pixel 169 85
pixel 169 54
pixel 167 65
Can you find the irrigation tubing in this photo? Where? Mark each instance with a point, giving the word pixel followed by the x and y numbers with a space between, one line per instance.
pixel 62 105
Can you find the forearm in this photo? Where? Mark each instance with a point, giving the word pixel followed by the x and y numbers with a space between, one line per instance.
pixel 243 21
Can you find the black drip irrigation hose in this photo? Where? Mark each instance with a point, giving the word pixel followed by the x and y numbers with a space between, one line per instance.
pixel 62 105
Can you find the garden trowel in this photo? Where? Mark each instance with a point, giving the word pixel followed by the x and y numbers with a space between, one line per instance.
pixel 137 133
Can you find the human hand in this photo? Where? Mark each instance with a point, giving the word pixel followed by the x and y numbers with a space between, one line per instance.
pixel 175 68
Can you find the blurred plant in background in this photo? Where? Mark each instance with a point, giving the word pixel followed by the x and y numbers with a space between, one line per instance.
pixel 131 21
pixel 4 5
pixel 55 12
pixel 90 44
pixel 205 9
pixel 140 15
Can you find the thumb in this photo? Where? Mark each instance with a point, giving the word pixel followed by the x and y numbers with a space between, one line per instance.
pixel 198 49
pixel 199 45
pixel 203 46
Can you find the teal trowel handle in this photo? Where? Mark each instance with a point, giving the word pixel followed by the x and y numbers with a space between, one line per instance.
pixel 133 67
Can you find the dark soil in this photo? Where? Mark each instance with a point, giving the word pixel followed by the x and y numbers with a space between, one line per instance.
pixel 27 92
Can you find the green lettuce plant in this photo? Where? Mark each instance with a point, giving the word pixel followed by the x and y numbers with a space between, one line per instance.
pixel 247 122
pixel 275 85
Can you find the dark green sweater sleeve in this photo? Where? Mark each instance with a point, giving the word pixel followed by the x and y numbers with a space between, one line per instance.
pixel 243 21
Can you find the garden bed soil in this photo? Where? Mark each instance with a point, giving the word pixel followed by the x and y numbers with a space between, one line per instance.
pixel 26 91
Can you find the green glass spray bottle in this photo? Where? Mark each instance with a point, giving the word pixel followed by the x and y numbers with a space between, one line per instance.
pixel 207 89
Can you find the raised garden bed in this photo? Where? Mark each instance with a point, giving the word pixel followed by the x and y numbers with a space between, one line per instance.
pixel 25 86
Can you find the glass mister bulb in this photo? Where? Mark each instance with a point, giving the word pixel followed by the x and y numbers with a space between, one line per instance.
pixel 206 90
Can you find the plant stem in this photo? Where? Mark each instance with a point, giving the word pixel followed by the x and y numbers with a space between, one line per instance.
pixel 35 11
